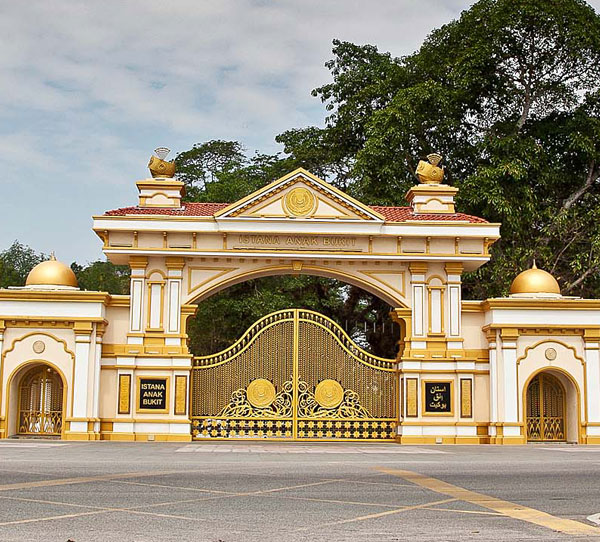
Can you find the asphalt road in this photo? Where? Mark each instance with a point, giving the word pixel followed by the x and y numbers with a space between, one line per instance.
pixel 238 492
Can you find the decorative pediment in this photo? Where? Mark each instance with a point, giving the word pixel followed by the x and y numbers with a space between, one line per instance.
pixel 299 195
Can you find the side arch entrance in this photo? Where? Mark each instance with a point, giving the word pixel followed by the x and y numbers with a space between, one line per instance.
pixel 294 375
pixel 40 403
pixel 546 409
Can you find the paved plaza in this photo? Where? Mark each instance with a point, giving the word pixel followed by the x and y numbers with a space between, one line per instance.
pixel 246 491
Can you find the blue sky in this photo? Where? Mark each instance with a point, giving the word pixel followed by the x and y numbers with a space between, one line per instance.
pixel 89 89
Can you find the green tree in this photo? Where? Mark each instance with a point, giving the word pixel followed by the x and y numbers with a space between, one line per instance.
pixel 103 276
pixel 509 94
pixel 16 262
pixel 219 171
pixel 222 318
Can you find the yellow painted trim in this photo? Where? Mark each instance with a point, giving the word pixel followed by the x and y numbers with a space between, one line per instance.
pixel 541 303
pixel 445 439
pixel 56 295
pixel 444 422
pixel 147 367
pixel 143 437
pixel 146 420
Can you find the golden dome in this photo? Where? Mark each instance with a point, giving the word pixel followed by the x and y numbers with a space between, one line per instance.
pixel 534 281
pixel 52 273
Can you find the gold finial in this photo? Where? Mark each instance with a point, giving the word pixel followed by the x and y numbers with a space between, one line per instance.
pixel 434 158
pixel 430 172
pixel 52 257
pixel 158 166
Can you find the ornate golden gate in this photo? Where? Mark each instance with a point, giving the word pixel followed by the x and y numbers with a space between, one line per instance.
pixel 545 409
pixel 295 374
pixel 40 402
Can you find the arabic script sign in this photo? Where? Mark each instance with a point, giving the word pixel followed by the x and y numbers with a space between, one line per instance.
pixel 438 397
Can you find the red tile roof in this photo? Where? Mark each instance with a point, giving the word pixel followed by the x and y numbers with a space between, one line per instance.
pixel 391 214
pixel 188 209
pixel 404 214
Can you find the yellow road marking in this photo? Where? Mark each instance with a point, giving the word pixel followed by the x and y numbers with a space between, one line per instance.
pixel 264 491
pixel 48 518
pixel 185 488
pixel 82 480
pixel 455 510
pixel 506 508
pixel 377 515
pixel 335 501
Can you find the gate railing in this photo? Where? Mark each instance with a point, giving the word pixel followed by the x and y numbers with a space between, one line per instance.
pixel 244 341
pixel 255 330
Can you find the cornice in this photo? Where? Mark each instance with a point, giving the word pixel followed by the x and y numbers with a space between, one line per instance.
pixel 540 303
pixel 78 296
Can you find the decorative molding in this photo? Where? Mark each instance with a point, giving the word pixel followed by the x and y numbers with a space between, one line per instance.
pixel 466 398
pixel 550 342
pixel 412 408
pixel 124 394
pixel 181 394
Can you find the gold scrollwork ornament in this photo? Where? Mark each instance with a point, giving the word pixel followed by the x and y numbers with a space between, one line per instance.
pixel 300 201
pixel 329 393
pixel 260 393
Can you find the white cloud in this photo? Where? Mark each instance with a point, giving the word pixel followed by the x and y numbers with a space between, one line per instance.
pixel 88 89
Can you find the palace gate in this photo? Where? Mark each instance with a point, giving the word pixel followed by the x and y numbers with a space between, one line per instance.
pixel 295 374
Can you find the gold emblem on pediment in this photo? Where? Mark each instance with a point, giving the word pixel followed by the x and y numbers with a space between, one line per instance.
pixel 299 201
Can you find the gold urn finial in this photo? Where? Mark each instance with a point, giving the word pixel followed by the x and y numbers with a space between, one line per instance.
pixel 430 172
pixel 158 166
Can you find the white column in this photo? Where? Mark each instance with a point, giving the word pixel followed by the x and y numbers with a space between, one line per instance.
pixel 2 402
pixel 592 375
pixel 96 381
pixel 493 381
pixel 173 300
pixel 453 271
pixel 419 316
pixel 136 307
pixel 509 388
pixel 435 306
pixel 81 381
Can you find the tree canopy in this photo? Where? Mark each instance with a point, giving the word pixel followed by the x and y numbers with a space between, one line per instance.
pixel 509 93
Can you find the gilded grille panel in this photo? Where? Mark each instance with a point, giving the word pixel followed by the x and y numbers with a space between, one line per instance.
pixel 295 351
pixel 40 402
pixel 545 409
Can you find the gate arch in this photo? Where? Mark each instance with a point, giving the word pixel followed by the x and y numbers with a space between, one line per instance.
pixel 368 279
pixel 295 374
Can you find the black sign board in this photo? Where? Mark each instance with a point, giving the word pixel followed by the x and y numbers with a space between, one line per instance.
pixel 438 397
pixel 153 394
